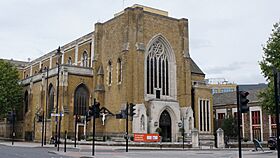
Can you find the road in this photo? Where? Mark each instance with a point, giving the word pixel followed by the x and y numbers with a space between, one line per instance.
pixel 27 152
pixel 35 151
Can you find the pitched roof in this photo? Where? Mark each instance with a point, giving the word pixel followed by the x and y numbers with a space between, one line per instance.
pixel 72 43
pixel 17 63
pixel 246 87
pixel 195 68
pixel 230 97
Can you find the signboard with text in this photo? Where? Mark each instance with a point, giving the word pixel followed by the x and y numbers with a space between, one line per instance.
pixel 140 137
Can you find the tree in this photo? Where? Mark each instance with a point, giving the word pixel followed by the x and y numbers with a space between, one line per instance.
pixel 10 89
pixel 270 60
pixel 229 126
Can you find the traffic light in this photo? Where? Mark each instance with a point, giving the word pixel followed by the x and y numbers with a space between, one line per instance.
pixel 10 117
pixel 132 109
pixel 96 109
pixel 243 101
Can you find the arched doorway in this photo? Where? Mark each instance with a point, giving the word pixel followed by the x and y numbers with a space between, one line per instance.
pixel 165 125
pixel 81 104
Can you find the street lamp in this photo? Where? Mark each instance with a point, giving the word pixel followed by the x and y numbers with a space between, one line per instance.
pixel 46 115
pixel 43 119
pixel 58 55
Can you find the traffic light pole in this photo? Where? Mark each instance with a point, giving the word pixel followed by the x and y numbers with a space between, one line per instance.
pixel 93 129
pixel 93 136
pixel 126 133
pixel 238 121
pixel 75 140
pixel 276 96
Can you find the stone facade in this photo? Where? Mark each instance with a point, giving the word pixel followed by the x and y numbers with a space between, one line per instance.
pixel 111 64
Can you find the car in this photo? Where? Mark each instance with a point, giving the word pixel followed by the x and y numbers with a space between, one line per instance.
pixel 272 143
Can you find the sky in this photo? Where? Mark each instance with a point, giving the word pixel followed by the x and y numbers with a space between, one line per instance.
pixel 225 36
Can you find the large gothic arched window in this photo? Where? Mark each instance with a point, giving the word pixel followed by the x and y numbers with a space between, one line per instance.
pixel 160 68
pixel 81 100
pixel 50 101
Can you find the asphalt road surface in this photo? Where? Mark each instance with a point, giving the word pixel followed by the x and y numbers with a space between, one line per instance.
pixel 27 152
pixel 7 151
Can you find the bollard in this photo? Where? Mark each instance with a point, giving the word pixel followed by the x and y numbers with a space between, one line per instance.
pixel 65 141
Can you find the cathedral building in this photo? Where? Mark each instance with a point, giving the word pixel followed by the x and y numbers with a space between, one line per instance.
pixel 140 56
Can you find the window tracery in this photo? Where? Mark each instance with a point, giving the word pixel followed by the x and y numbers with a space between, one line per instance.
pixel 157 68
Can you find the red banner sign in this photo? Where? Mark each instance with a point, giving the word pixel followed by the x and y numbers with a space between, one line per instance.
pixel 140 137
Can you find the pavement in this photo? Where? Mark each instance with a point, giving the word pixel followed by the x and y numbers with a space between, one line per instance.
pixel 107 149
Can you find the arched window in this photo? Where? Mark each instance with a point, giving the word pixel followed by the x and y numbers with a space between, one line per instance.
pixel 85 59
pixel 119 70
pixel 109 72
pixel 26 102
pixel 69 61
pixel 81 100
pixel 50 101
pixel 159 71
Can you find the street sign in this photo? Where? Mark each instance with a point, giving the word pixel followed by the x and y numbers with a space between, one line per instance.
pixel 140 137
pixel 61 114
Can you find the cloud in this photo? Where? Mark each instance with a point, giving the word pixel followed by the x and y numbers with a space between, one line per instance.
pixel 222 69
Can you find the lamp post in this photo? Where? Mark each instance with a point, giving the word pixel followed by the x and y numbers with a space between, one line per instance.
pixel 43 121
pixel 58 55
pixel 46 117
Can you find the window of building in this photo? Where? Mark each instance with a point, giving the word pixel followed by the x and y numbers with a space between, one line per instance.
pixel 26 102
pixel 81 100
pixel 157 69
pixel 256 117
pixel 109 72
pixel 273 125
pixel 204 113
pixel 256 124
pixel 119 70
pixel 50 101
pixel 85 59
pixel 69 61
pixel 221 117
